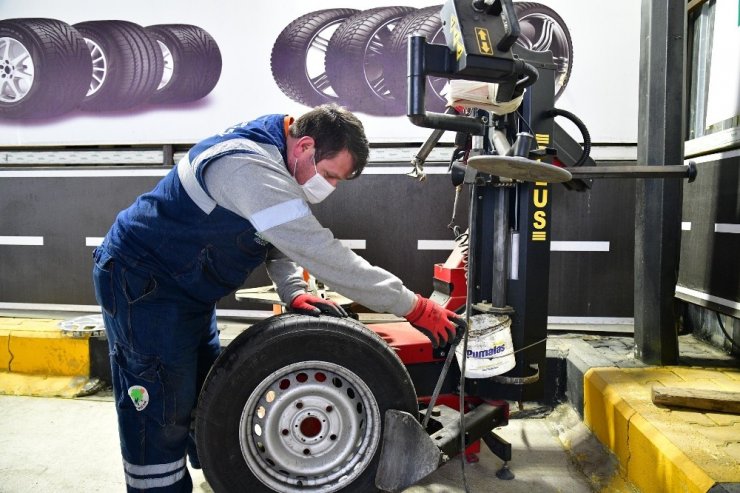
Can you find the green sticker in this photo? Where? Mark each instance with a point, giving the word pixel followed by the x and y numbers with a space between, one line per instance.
pixel 139 396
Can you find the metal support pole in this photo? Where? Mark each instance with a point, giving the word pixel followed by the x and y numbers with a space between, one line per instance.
pixel 658 201
pixel 501 250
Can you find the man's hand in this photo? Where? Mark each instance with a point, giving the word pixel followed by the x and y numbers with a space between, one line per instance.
pixel 438 324
pixel 313 305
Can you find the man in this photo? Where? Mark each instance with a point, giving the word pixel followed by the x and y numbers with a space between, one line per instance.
pixel 237 199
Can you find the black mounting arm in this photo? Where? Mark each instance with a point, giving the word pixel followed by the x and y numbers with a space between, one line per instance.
pixel 472 29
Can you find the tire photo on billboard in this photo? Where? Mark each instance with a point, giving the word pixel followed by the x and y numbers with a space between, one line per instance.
pixel 425 22
pixel 45 68
pixel 296 404
pixel 354 61
pixel 127 65
pixel 192 63
pixel 359 60
pixel 298 55
pixel 542 29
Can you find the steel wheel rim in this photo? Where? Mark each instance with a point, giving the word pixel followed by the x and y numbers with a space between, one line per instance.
pixel 17 70
pixel 316 56
pixel 169 65
pixel 373 61
pixel 99 66
pixel 549 37
pixel 309 426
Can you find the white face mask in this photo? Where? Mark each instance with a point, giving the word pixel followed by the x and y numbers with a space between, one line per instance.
pixel 317 188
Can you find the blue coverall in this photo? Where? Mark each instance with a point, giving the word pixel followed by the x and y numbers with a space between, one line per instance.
pixel 158 274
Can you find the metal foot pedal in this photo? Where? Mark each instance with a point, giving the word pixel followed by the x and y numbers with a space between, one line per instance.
pixel 520 168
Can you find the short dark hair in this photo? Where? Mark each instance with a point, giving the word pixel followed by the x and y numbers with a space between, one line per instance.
pixel 334 128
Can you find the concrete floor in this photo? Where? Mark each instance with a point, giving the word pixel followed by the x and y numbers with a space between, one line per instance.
pixel 70 445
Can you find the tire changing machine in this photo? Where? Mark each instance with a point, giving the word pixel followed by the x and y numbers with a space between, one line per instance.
pixel 319 404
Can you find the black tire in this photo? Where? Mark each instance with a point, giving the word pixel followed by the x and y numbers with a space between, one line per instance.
pixel 297 58
pixel 264 377
pixel 542 29
pixel 127 65
pixel 425 22
pixel 354 61
pixel 48 69
pixel 192 62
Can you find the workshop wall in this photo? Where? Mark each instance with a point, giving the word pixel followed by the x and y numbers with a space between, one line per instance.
pixel 55 217
pixel 52 218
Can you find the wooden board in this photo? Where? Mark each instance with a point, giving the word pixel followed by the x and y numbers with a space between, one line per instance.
pixel 712 400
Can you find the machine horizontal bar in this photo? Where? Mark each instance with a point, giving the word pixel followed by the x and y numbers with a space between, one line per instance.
pixel 671 171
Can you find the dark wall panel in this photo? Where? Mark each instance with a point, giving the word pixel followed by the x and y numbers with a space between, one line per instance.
pixel 710 249
pixel 594 284
pixel 391 212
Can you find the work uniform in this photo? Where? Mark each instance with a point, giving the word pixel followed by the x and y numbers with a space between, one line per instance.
pixel 228 206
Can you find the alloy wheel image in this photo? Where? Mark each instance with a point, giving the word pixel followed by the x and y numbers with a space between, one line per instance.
pixel 544 30
pixel 354 59
pixel 100 66
pixel 359 59
pixel 301 49
pixel 45 68
pixel 426 22
pixel 191 63
pixel 128 65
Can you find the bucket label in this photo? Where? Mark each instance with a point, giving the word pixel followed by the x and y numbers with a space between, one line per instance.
pixel 488 352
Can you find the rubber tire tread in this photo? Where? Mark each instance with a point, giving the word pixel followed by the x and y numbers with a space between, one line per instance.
pixel 424 23
pixel 135 64
pixel 62 67
pixel 525 8
pixel 272 344
pixel 288 57
pixel 345 61
pixel 196 61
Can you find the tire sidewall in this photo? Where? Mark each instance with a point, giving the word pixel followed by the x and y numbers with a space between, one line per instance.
pixel 322 340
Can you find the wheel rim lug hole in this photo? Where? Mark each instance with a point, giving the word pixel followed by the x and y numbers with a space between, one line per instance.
pixel 329 409
pixel 306 452
pixel 299 405
pixel 332 437
pixel 285 432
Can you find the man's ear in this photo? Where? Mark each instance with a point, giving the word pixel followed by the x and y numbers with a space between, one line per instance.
pixel 304 145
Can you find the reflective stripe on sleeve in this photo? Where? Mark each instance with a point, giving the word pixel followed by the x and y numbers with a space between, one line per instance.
pixel 190 183
pixel 279 214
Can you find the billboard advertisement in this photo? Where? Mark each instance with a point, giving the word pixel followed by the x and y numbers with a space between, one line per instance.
pixel 173 72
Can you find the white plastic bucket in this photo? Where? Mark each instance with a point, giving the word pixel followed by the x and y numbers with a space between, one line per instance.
pixel 490 350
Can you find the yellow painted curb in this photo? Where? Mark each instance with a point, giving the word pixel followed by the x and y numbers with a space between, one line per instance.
pixel 39 347
pixel 662 449
pixel 44 386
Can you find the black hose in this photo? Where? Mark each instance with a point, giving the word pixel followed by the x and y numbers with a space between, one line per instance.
pixel 581 127
pixel 530 76
pixel 722 328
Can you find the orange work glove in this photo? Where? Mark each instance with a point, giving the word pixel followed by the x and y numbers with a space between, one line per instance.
pixel 439 324
pixel 313 305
